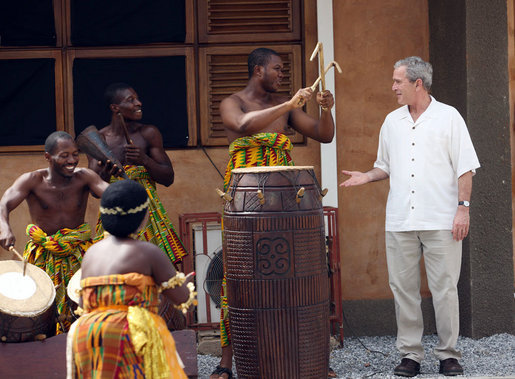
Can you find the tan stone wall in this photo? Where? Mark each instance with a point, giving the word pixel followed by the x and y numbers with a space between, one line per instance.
pixel 369 37
pixel 193 190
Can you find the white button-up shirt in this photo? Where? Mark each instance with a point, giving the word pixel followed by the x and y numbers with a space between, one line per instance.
pixel 424 160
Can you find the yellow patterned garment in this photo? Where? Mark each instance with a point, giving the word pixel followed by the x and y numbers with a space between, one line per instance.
pixel 159 229
pixel 262 149
pixel 120 335
pixel 60 256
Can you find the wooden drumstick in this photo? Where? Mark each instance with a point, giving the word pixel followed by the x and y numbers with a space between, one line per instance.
pixel 322 75
pixel 125 130
pixel 11 248
pixel 319 50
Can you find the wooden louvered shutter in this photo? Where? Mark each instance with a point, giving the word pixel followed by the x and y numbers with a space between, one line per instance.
pixel 248 20
pixel 223 71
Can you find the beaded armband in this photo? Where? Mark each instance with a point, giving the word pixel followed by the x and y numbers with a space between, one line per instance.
pixel 178 280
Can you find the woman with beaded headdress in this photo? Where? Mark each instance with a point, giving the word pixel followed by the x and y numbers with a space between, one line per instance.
pixel 119 333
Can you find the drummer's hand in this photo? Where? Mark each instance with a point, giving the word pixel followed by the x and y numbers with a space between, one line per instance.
pixel 109 169
pixel 7 239
pixel 325 99
pixel 301 97
pixel 134 155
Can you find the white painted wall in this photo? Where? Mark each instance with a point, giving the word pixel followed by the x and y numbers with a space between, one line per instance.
pixel 328 151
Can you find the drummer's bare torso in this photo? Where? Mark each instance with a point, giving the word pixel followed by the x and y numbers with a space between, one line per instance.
pixel 117 142
pixel 56 206
pixel 248 104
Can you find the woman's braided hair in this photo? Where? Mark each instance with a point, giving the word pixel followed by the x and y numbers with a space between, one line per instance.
pixel 123 206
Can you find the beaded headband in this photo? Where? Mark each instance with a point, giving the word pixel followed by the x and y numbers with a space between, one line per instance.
pixel 119 211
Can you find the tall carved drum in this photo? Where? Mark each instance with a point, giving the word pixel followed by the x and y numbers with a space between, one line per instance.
pixel 277 278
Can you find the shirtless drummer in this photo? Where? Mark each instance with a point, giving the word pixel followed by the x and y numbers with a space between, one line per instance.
pixel 57 197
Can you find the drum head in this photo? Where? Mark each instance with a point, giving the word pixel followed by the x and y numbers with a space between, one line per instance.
pixel 73 290
pixel 262 169
pixel 24 295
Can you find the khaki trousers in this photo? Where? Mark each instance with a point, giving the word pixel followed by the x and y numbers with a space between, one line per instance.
pixel 442 257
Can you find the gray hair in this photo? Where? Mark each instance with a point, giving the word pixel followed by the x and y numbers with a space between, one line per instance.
pixel 417 68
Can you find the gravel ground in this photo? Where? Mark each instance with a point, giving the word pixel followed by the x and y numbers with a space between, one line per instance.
pixel 486 357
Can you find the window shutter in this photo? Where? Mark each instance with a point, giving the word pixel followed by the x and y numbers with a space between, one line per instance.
pixel 249 20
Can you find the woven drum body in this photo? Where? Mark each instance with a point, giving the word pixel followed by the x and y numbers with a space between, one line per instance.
pixel 277 277
pixel 25 315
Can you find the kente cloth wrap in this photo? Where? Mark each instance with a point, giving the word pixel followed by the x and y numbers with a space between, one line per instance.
pixel 120 334
pixel 159 229
pixel 262 149
pixel 60 255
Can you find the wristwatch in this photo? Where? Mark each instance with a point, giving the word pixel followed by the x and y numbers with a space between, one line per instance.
pixel 465 203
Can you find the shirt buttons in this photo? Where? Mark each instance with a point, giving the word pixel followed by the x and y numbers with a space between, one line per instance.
pixel 412 175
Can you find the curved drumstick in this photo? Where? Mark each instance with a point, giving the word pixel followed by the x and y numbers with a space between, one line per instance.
pixel 322 78
pixel 319 49
pixel 125 130
pixel 322 75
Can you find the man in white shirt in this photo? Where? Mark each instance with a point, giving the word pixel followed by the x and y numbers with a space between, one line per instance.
pixel 426 151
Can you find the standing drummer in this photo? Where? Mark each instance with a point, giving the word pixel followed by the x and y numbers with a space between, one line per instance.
pixel 139 147
pixel 257 120
pixel 57 197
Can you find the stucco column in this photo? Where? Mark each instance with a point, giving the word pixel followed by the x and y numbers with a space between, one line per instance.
pixel 468 48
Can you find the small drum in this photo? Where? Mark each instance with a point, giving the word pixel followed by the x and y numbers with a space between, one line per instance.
pixel 73 290
pixel 27 303
pixel 73 293
pixel 277 275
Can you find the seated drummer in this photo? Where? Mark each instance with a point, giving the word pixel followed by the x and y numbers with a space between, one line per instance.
pixel 256 121
pixel 57 197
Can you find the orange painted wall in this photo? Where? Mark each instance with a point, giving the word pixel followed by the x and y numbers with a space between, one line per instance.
pixel 369 37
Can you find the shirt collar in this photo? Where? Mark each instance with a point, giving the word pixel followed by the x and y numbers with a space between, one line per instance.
pixel 404 110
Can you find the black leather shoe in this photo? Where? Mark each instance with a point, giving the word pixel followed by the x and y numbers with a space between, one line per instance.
pixel 408 367
pixel 450 367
